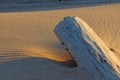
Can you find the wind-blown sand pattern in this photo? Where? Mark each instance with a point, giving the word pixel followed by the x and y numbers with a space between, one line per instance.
pixel 30 50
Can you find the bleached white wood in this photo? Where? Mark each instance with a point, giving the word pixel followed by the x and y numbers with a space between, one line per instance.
pixel 88 49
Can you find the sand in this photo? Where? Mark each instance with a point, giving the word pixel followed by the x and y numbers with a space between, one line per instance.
pixel 29 49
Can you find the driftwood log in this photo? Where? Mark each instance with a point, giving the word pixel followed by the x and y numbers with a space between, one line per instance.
pixel 87 49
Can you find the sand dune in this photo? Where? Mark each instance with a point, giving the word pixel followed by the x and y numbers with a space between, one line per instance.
pixel 27 35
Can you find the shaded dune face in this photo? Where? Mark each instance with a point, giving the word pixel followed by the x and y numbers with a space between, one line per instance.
pixel 40 68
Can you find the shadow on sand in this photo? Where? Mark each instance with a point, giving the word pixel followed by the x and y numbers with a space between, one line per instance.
pixel 32 69
pixel 44 6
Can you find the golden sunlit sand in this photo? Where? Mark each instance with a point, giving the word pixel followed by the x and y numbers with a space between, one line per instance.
pixel 30 35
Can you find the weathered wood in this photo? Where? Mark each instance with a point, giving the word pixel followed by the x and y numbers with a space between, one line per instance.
pixel 88 49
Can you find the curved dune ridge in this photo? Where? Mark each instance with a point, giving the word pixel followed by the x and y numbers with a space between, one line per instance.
pixel 30 50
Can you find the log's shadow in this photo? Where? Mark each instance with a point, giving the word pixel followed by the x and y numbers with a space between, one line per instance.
pixel 22 6
pixel 70 63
